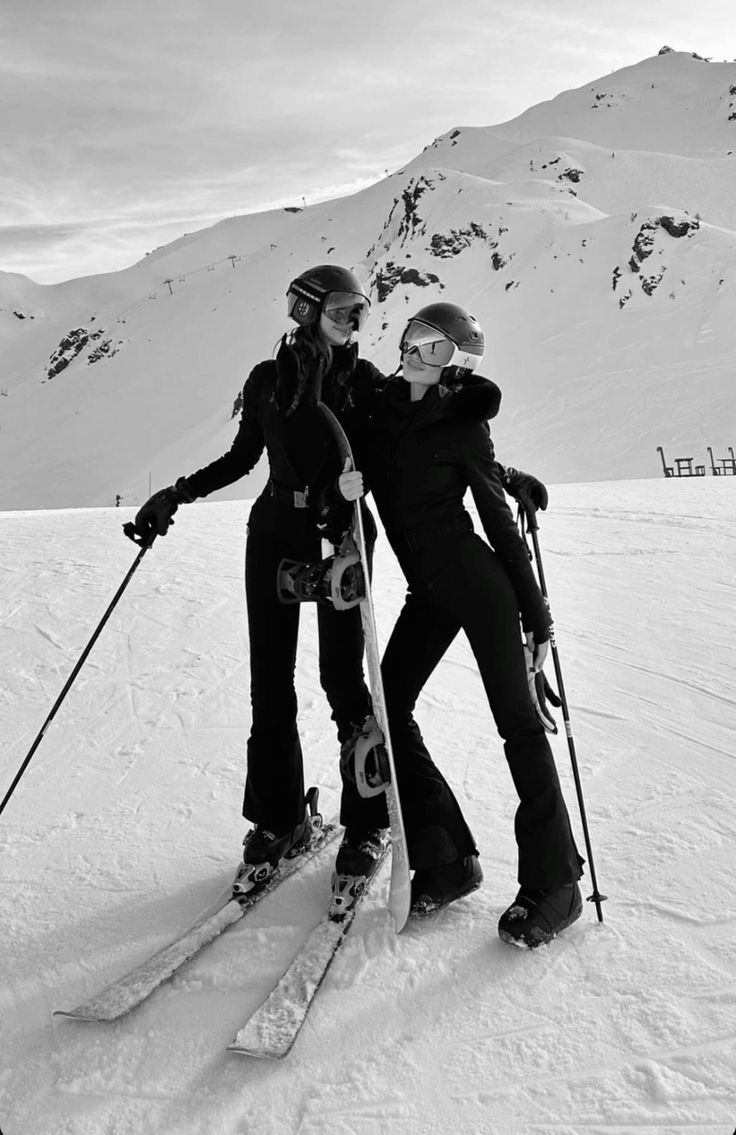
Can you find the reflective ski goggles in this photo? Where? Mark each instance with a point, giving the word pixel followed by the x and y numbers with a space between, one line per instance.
pixel 433 348
pixel 347 307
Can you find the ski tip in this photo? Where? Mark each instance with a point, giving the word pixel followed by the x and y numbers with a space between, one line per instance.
pixel 103 1010
pixel 79 1015
pixel 259 1053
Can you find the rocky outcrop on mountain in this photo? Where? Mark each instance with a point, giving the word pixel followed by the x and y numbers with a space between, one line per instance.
pixel 70 346
pixel 388 277
pixel 455 241
pixel 17 312
pixel 670 50
pixel 644 246
pixel 610 101
pixel 411 223
pixel 404 220
pixel 104 350
pixel 684 227
pixel 406 225
pixel 73 344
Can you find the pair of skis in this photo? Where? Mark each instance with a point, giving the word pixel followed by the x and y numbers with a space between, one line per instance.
pixel 273 1028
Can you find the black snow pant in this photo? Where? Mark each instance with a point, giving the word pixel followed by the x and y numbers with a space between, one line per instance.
pixel 275 787
pixel 474 592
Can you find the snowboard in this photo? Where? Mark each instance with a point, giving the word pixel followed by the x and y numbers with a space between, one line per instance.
pixel 400 888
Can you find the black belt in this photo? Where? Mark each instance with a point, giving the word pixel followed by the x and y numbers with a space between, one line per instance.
pixel 295 498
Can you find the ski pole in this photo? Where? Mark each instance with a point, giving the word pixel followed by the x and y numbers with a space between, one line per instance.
pixel 528 511
pixel 145 544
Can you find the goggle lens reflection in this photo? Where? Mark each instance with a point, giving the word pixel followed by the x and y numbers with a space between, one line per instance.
pixel 347 307
pixel 433 348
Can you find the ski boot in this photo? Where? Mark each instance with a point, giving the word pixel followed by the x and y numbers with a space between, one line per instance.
pixel 357 859
pixel 536 917
pixel 263 849
pixel 435 887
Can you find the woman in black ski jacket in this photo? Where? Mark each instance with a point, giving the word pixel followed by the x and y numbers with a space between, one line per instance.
pixel 432 443
pixel 306 497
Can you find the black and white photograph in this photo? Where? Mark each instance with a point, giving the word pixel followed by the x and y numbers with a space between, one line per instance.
pixel 367 568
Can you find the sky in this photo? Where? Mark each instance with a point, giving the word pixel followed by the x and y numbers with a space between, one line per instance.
pixel 124 126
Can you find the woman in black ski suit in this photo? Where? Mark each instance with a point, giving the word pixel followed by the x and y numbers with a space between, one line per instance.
pixel 305 498
pixel 432 443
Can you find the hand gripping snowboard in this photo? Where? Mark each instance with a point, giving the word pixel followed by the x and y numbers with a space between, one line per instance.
pixel 400 890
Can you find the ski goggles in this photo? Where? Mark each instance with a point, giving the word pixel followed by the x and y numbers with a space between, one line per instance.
pixel 434 348
pixel 347 307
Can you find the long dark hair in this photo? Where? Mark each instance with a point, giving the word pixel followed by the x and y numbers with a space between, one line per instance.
pixel 314 358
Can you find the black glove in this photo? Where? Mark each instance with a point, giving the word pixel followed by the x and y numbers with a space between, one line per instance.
pixel 525 488
pixel 540 690
pixel 157 514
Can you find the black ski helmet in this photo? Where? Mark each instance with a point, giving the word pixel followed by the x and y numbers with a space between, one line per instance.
pixel 306 294
pixel 458 325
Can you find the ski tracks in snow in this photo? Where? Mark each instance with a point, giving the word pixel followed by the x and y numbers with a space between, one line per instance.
pixel 128 823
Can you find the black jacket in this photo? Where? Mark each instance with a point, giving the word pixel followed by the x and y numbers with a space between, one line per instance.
pixel 425 455
pixel 302 454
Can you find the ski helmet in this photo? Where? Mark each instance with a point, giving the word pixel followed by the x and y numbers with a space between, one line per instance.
pixel 314 291
pixel 456 325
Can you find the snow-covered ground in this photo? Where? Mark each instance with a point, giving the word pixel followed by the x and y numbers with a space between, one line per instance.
pixel 127 826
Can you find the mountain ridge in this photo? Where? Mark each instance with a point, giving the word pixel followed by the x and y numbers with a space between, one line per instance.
pixel 604 279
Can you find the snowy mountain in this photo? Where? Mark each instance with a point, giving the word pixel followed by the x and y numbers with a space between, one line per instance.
pixel 594 236
pixel 127 826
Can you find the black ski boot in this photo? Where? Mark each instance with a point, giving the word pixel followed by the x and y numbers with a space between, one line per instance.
pixel 360 851
pixel 536 917
pixel 263 849
pixel 358 857
pixel 435 887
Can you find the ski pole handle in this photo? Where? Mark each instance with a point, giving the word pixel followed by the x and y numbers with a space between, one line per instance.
pixel 530 513
pixel 133 534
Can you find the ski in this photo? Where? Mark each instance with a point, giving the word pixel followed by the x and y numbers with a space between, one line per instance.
pixel 270 1033
pixel 134 987
pixel 400 889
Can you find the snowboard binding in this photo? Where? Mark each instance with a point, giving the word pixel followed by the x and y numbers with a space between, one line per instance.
pixel 364 760
pixel 339 580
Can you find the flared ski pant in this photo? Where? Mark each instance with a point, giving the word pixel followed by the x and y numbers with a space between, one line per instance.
pixel 474 593
pixel 275 784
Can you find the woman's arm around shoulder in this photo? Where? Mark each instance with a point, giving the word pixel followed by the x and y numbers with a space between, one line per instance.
pixel 475 398
pixel 372 383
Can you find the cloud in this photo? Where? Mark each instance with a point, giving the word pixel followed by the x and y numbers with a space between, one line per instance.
pixel 133 118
